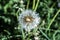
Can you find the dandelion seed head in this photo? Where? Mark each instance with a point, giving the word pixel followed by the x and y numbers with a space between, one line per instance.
pixel 28 19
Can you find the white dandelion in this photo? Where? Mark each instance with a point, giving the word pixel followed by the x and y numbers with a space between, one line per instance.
pixel 28 19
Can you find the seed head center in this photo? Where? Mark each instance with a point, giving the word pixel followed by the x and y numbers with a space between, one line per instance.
pixel 28 19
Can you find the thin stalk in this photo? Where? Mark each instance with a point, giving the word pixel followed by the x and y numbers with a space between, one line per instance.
pixel 44 34
pixel 33 4
pixel 36 5
pixel 23 35
pixel 55 34
pixel 53 19
pixel 28 4
pixel 48 16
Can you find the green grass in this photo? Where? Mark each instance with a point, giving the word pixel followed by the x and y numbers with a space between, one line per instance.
pixel 48 29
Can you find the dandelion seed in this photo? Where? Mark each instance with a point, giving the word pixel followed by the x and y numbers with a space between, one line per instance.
pixel 58 4
pixel 21 2
pixel 36 38
pixel 28 19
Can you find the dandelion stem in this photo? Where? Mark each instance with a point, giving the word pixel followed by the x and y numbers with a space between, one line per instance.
pixel 33 4
pixel 28 4
pixel 36 5
pixel 23 35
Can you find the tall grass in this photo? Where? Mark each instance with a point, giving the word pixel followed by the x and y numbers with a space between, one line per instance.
pixel 48 29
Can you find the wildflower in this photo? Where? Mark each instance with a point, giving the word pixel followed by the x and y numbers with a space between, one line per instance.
pixel 28 19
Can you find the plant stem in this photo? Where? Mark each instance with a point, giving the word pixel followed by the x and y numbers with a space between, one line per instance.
pixel 36 5
pixel 55 34
pixel 23 35
pixel 28 4
pixel 33 4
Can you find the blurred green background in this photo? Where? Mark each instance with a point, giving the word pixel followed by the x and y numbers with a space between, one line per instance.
pixel 47 9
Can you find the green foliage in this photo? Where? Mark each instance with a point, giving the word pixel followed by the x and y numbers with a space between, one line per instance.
pixel 48 29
